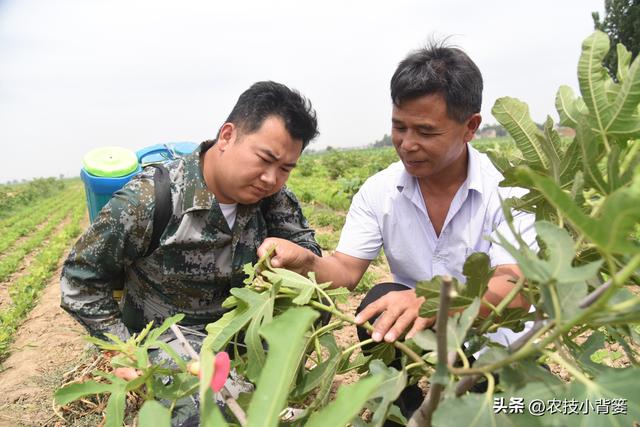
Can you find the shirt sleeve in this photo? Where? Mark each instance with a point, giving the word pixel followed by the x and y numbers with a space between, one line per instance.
pixel 361 236
pixel 96 264
pixel 284 218
pixel 523 224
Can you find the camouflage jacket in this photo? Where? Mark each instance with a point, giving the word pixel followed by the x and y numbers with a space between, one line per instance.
pixel 198 261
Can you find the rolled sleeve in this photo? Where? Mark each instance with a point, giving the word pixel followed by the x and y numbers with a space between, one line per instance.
pixel 361 236
pixel 284 219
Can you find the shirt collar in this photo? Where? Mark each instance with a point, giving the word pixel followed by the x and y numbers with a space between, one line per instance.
pixel 196 194
pixel 407 182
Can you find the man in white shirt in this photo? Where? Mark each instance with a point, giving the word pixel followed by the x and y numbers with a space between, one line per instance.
pixel 430 210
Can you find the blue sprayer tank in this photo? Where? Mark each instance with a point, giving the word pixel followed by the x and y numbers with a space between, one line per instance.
pixel 107 169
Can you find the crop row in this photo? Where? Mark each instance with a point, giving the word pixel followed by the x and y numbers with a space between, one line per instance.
pixel 31 221
pixel 16 196
pixel 10 263
pixel 24 291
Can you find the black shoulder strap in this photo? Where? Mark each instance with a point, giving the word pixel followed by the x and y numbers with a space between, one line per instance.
pixel 164 207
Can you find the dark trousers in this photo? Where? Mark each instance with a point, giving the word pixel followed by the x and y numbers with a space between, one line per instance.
pixel 411 397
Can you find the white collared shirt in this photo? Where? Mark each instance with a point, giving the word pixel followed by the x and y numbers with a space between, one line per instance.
pixel 389 212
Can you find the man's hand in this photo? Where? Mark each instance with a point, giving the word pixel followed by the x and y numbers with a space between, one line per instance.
pixel 399 310
pixel 288 255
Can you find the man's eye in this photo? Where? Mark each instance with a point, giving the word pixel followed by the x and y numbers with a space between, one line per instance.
pixel 400 128
pixel 264 160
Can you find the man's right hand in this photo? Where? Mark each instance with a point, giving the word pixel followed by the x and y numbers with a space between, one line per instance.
pixel 288 255
pixel 398 311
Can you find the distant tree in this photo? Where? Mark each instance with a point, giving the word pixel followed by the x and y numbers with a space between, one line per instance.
pixel 622 23
pixel 384 142
pixel 329 148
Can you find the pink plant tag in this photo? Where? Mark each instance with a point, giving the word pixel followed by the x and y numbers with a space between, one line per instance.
pixel 222 366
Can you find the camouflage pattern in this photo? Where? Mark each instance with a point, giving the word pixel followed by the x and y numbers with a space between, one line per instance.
pixel 198 261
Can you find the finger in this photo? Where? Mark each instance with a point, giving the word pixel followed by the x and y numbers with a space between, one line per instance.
pixel 265 246
pixel 420 324
pixel 371 310
pixel 400 325
pixel 383 324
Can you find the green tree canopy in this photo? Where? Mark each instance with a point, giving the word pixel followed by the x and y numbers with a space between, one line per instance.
pixel 622 23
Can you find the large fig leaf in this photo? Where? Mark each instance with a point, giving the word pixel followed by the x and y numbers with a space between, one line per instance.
pixel 613 229
pixel 285 336
pixel 513 114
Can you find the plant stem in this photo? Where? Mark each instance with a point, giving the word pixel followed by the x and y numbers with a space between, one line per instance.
pixel 358 345
pixel 488 321
pixel 350 319
pixel 422 416
pixel 530 348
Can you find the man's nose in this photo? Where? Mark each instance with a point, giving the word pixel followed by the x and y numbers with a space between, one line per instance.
pixel 269 176
pixel 408 142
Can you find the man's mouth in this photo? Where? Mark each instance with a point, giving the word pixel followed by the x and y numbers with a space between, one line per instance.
pixel 415 162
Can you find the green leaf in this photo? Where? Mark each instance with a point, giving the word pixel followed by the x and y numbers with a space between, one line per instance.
pixel 513 114
pixel 470 410
pixel 624 59
pixel 322 373
pixel 285 337
pixel 612 230
pixel 567 106
pixel 519 374
pixel 181 386
pixel 153 414
pixel 394 382
pixel 349 400
pixel 293 280
pixel 426 340
pixel 71 392
pixel 210 415
pixel 459 324
pixel 249 304
pixel 615 384
pixel 262 314
pixel 116 405
pixel 154 334
pixel 592 77
pixel 551 145
pixel 477 269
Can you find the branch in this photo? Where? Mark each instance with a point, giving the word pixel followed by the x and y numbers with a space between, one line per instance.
pixel 422 416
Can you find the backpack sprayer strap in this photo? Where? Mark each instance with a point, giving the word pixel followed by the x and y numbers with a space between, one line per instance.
pixel 161 212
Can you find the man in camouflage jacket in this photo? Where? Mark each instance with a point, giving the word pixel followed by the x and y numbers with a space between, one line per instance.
pixel 202 250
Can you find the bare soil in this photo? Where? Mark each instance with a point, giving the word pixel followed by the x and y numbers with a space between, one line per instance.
pixel 47 343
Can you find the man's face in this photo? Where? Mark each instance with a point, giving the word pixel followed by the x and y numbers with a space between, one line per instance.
pixel 426 139
pixel 254 165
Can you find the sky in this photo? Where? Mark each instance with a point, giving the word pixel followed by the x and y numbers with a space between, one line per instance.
pixel 81 74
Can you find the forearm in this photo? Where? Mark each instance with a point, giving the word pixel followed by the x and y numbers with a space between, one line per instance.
pixel 332 269
pixel 500 286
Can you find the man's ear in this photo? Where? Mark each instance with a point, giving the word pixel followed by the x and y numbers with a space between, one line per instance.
pixel 473 124
pixel 227 135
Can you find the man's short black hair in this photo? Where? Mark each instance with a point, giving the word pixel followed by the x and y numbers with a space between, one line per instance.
pixel 440 69
pixel 267 98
